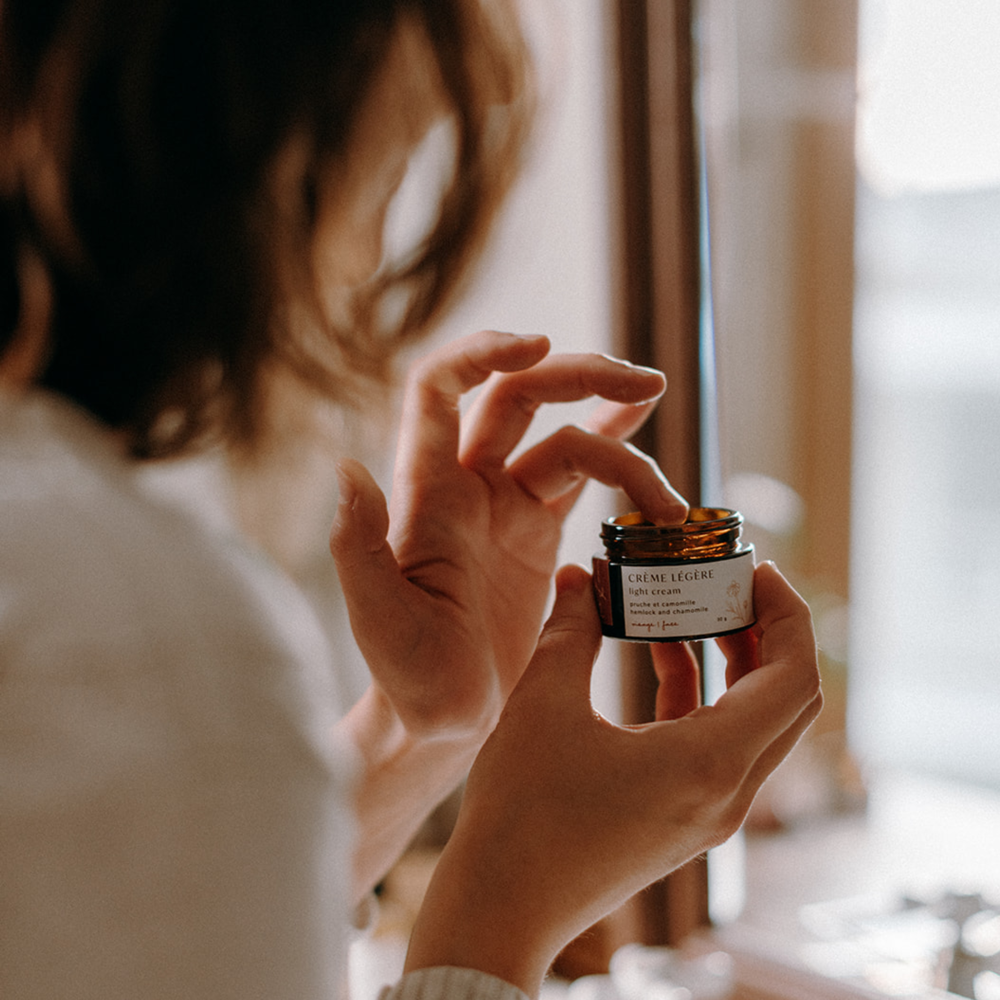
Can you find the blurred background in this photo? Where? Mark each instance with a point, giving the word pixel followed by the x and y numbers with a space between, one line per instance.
pixel 812 206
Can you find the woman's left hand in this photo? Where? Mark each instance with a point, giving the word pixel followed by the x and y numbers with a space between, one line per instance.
pixel 565 815
pixel 447 586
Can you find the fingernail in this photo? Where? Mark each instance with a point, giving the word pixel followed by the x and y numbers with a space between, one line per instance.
pixel 639 369
pixel 529 337
pixel 346 486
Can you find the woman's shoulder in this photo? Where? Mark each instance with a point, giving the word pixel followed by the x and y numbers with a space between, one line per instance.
pixel 81 541
pixel 108 593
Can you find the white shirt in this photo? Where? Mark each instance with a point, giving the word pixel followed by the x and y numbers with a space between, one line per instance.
pixel 173 817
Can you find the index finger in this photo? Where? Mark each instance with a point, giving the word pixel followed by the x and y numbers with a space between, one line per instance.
pixel 783 689
pixel 504 410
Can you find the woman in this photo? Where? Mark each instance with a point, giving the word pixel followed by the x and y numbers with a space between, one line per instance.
pixel 193 198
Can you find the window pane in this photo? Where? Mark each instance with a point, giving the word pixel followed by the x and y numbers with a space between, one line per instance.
pixel 925 683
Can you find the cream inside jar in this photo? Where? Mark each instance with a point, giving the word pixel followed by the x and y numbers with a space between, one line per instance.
pixel 663 583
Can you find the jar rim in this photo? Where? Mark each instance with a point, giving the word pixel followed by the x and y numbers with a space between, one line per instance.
pixel 699 519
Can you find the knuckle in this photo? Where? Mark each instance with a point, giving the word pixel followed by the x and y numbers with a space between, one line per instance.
pixel 730 820
pixel 815 690
pixel 340 546
pixel 815 705
pixel 723 807
pixel 800 613
pixel 811 684
pixel 568 440
pixel 421 370
pixel 520 401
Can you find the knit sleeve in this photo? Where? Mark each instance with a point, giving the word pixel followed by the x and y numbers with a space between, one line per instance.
pixel 448 983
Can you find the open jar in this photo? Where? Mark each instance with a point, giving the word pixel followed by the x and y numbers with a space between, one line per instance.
pixel 663 583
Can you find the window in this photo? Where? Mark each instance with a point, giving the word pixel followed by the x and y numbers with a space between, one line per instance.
pixel 926 564
pixel 906 385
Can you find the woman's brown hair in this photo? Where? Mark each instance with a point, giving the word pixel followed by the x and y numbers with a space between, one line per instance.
pixel 139 143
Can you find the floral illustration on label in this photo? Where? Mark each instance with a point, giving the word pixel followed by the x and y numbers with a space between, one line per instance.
pixel 740 609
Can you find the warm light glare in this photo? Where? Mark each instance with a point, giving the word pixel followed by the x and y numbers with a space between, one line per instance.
pixel 929 95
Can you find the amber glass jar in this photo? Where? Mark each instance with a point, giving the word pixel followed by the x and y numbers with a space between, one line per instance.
pixel 659 583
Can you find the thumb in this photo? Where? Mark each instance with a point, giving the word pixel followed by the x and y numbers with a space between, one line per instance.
pixel 570 640
pixel 369 575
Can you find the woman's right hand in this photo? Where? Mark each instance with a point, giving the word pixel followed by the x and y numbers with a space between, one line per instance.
pixel 447 583
pixel 566 816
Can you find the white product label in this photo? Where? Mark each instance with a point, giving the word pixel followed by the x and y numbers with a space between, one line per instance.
pixel 683 600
